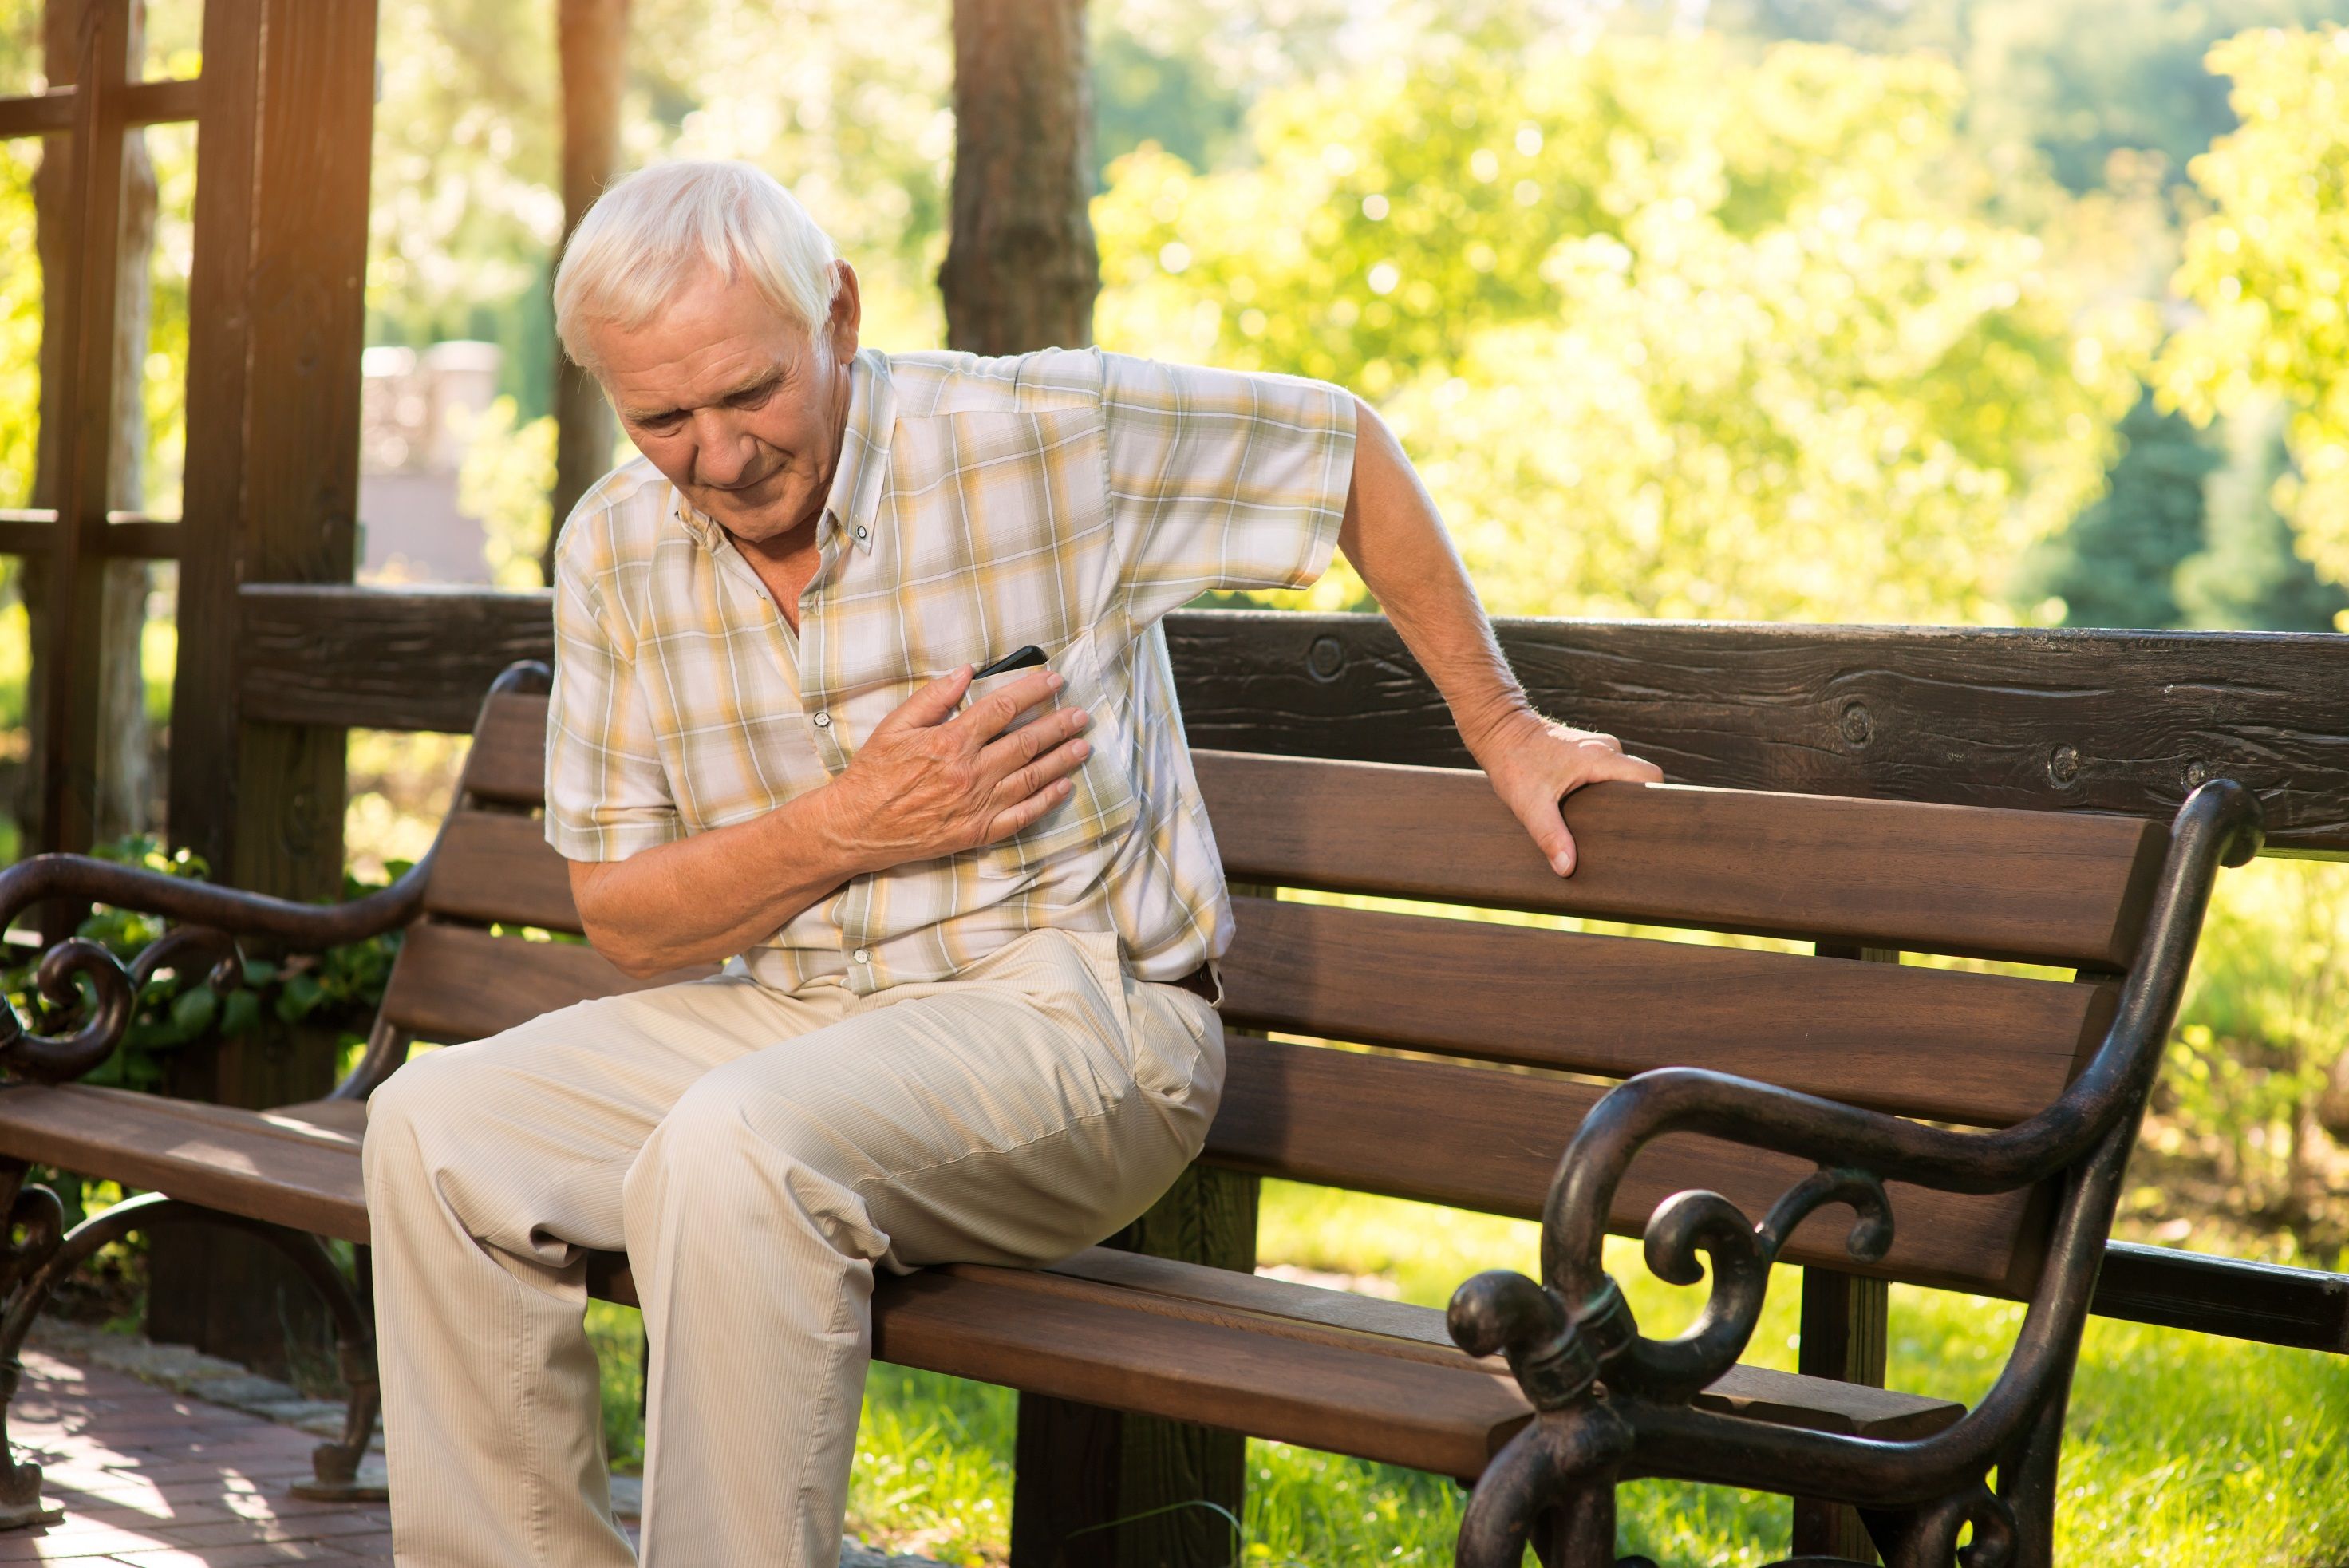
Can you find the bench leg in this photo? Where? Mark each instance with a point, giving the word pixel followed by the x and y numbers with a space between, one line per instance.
pixel 36 1212
pixel 1096 1488
pixel 1580 1533
pixel 33 1268
pixel 2026 1480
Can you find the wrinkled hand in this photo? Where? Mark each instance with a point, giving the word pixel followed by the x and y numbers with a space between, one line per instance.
pixel 1534 763
pixel 928 781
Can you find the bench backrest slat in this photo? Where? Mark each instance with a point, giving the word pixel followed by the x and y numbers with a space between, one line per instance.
pixel 2033 885
pixel 454 983
pixel 496 866
pixel 1999 1048
pixel 1479 1138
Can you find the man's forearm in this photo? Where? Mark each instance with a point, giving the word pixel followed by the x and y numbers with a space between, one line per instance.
pixel 704 898
pixel 1397 542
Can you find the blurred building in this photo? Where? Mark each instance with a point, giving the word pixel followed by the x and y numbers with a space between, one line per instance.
pixel 416 413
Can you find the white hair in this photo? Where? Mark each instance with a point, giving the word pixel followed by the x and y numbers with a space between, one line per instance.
pixel 650 233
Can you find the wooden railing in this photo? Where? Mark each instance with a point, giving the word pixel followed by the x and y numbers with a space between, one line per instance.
pixel 2071 720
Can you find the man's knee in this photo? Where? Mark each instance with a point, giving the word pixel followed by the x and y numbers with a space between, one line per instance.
pixel 722 1150
pixel 432 1097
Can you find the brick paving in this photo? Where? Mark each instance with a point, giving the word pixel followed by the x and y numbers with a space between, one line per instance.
pixel 152 1476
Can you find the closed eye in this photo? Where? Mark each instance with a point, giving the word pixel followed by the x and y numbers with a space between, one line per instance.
pixel 755 396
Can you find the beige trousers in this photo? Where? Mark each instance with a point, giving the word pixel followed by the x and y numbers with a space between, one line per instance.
pixel 757 1154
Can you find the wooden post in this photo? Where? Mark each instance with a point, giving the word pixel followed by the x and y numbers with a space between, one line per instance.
pixel 1021 270
pixel 275 324
pixel 592 36
pixel 93 249
pixel 1847 1331
pixel 1098 1489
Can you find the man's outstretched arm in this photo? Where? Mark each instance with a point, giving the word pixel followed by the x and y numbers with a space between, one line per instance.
pixel 1397 542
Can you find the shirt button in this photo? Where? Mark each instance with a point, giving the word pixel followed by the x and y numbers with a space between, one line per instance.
pixel 824 721
pixel 860 531
pixel 861 956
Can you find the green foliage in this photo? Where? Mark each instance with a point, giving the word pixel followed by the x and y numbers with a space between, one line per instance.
pixel 1669 331
pixel 2253 575
pixel 2268 269
pixel 508 481
pixel 20 321
pixel 2265 1026
pixel 338 988
pixel 2070 82
pixel 2117 563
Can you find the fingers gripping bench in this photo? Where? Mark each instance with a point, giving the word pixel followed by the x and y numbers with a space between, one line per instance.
pixel 1974 1122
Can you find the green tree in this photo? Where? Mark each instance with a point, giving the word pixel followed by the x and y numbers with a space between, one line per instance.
pixel 2117 563
pixel 1671 331
pixel 2253 574
pixel 2269 269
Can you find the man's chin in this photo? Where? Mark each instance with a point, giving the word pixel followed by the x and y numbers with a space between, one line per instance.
pixel 749 516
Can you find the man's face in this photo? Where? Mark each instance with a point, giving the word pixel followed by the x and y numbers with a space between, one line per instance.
pixel 736 407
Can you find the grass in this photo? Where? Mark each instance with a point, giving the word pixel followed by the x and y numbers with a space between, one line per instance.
pixel 2180 1449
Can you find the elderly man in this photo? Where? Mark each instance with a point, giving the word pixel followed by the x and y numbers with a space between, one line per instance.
pixel 966 1007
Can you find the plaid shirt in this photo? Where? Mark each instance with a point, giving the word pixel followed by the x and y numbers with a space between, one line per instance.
pixel 1065 499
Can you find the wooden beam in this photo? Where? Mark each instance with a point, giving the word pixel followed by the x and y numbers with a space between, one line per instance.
pixel 79 437
pixel 32 531
pixel 2097 720
pixel 141 103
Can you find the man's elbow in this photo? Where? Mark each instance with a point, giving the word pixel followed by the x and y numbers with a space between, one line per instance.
pixel 619 947
pixel 636 962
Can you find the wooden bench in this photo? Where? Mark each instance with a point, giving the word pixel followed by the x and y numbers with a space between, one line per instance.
pixel 1471 1052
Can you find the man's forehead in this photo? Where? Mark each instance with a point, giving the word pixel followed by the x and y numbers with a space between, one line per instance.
pixel 689 380
pixel 703 345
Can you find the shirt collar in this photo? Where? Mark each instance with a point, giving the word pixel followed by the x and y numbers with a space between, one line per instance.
pixel 863 471
pixel 853 501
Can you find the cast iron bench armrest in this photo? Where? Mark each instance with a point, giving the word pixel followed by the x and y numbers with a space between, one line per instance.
pixel 211 917
pixel 1573 1332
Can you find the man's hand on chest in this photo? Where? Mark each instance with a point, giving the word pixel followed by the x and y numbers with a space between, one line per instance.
pixel 928 781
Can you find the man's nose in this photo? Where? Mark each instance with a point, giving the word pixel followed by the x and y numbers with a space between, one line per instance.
pixel 723 455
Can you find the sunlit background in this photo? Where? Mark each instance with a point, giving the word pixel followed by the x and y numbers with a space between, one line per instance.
pixel 1999 312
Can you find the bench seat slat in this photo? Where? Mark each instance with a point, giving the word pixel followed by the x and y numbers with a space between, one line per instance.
pixel 222 1158
pixel 454 983
pixel 1335 1371
pixel 2041 886
pixel 1988 1050
pixel 1399 1328
pixel 1480 1137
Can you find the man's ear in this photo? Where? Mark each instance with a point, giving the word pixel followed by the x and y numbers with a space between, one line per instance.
pixel 848 313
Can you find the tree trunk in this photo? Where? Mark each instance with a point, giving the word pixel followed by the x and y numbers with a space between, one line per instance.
pixel 1020 270
pixel 593 38
pixel 125 784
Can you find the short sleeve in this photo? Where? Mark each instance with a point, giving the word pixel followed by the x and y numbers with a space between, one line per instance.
pixel 1221 480
pixel 607 794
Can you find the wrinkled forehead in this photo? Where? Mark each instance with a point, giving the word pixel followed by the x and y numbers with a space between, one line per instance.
pixel 715 336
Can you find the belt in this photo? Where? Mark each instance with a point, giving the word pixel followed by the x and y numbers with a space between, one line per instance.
pixel 1200 983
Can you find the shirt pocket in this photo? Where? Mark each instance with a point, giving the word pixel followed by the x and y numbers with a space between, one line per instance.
pixel 1103 804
